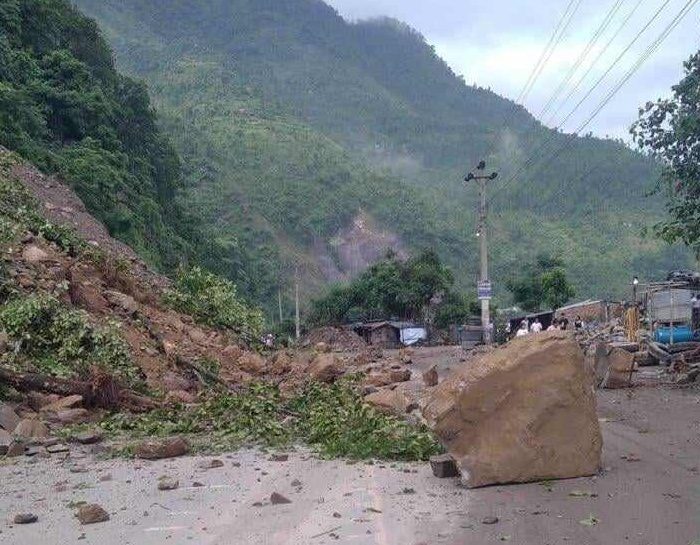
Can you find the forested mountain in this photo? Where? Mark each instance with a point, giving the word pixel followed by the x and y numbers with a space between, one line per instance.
pixel 304 137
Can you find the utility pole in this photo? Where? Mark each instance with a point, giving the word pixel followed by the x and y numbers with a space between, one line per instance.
pixel 296 302
pixel 279 302
pixel 484 288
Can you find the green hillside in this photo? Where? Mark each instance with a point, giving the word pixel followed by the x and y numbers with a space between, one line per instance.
pixel 290 121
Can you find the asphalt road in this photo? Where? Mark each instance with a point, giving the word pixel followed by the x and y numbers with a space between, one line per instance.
pixel 648 494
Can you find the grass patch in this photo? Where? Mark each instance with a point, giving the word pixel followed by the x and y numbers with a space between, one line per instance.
pixel 332 419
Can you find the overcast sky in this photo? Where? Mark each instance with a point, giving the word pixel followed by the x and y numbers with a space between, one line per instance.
pixel 496 44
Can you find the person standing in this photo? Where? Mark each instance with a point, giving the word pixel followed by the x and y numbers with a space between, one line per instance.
pixel 523 330
pixel 536 326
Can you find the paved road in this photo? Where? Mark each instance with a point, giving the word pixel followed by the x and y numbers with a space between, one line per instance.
pixel 653 501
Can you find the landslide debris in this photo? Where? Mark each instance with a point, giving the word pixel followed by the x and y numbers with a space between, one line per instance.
pixel 94 342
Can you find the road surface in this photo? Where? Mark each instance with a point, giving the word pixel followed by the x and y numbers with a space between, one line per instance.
pixel 648 494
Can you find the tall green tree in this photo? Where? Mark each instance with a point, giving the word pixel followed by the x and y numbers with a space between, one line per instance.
pixel 541 284
pixel 669 130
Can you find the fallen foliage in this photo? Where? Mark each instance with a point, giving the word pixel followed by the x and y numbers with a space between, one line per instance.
pixel 332 419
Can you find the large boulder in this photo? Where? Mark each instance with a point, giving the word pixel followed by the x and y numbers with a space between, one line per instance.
pixel 524 412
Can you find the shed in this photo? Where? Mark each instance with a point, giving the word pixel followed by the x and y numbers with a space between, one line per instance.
pixel 391 334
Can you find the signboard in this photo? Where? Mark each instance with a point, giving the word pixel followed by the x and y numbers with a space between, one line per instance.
pixel 484 290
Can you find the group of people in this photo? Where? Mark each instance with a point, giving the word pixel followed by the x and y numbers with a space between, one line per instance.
pixel 562 324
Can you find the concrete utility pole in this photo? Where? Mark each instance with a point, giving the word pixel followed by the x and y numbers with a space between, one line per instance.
pixel 297 322
pixel 484 288
pixel 279 302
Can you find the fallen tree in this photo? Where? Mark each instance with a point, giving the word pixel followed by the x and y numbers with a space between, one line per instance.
pixel 101 391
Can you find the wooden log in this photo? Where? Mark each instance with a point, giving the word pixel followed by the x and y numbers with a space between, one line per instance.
pixel 102 392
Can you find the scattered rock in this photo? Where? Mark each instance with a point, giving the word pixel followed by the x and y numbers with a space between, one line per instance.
pixel 277 499
pixel 326 368
pixel 30 427
pixel 252 363
pixel 34 254
pixel 91 513
pixel 211 464
pixel 72 416
pixel 5 442
pixel 444 466
pixel 177 397
pixel 168 483
pixel 55 449
pixel 25 518
pixel 68 402
pixel 279 457
pixel 322 348
pixel 430 377
pixel 337 515
pixel 8 418
pixel 118 299
pixel 157 449
pixel 523 412
pixel 400 375
pixel 88 437
pixel 489 520
pixel 296 483
pixel 389 402
pixel 16 448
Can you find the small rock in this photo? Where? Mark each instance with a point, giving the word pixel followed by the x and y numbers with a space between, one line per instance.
pixel 168 483
pixel 106 478
pixel 54 449
pixel 296 483
pixel 34 254
pixel 16 448
pixel 277 499
pixel 337 515
pixel 489 520
pixel 88 437
pixel 34 450
pixel 68 402
pixel 72 416
pixel 25 518
pixel 211 464
pixel 430 377
pixel 197 484
pixel 159 449
pixel 91 513
pixel 78 469
pixel 279 457
pixel 444 466
pixel 8 418
pixel 30 428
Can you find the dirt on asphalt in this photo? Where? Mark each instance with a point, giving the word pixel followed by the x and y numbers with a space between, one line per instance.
pixel 647 494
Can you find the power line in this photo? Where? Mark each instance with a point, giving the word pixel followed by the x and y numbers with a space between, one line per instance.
pixel 539 65
pixel 539 152
pixel 582 57
pixel 602 52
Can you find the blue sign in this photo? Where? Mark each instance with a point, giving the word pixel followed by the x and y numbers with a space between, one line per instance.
pixel 484 290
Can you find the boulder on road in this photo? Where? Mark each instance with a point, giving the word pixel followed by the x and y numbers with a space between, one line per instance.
pixel 164 448
pixel 524 412
pixel 430 377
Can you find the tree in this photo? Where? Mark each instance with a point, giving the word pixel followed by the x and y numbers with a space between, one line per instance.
pixel 669 130
pixel 389 289
pixel 542 283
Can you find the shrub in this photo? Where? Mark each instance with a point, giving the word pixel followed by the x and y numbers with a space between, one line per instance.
pixel 63 342
pixel 213 301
